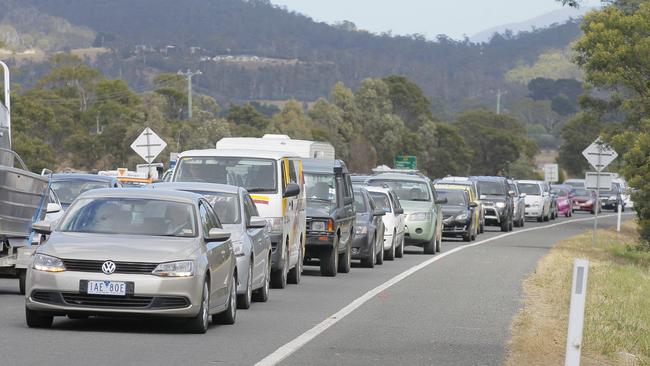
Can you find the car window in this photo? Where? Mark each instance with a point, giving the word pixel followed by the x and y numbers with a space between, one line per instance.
pixel 68 190
pixel 293 171
pixel 208 220
pixel 348 186
pixel 491 188
pixel 360 202
pixel 256 175
pixel 454 197
pixel 531 189
pixel 395 201
pixel 320 187
pixel 249 206
pixel 382 201
pixel 408 190
pixel 225 205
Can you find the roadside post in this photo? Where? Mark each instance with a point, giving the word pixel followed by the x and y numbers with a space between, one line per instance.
pixel 576 312
pixel 148 145
pixel 619 208
pixel 599 155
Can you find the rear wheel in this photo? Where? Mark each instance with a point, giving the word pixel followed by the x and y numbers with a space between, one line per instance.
pixel 199 324
pixel 262 294
pixel 279 277
pixel 369 262
pixel 296 273
pixel 230 314
pixel 244 300
pixel 329 261
pixel 38 319
pixel 345 259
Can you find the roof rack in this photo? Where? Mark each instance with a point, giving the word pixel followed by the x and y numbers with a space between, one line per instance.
pixel 382 170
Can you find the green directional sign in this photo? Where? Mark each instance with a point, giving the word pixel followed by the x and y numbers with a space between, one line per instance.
pixel 406 162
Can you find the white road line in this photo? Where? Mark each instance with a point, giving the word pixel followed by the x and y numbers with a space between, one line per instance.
pixel 298 342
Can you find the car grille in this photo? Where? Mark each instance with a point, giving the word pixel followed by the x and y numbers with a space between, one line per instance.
pixel 76 265
pixel 101 301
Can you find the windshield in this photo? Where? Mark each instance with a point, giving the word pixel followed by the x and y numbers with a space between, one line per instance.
pixel 226 205
pixel 491 188
pixel 359 202
pixel 530 189
pixel 68 190
pixel 130 216
pixel 454 198
pixel 381 200
pixel 405 190
pixel 580 192
pixel 320 187
pixel 256 175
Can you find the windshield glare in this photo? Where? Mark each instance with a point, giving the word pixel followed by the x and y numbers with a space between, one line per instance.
pixel 130 217
pixel 69 190
pixel 321 187
pixel 405 190
pixel 381 200
pixel 226 205
pixel 256 175
pixel 454 198
pixel 530 189
pixel 491 188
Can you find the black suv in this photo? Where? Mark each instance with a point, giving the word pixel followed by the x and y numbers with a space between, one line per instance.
pixel 330 215
pixel 497 201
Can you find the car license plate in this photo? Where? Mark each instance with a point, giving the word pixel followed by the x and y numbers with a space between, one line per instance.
pixel 106 288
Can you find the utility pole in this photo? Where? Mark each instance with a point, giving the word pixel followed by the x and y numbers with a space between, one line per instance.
pixel 499 101
pixel 7 102
pixel 189 74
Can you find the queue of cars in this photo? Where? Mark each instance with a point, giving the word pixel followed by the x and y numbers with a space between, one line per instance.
pixel 235 221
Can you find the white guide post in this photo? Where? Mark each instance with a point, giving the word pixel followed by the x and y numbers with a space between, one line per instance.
pixel 576 312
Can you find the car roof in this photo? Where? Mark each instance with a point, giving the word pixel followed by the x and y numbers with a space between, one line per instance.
pixel 398 177
pixel 191 186
pixel 323 165
pixel 82 176
pixel 457 187
pixel 262 154
pixel 377 189
pixel 163 195
pixel 529 181
pixel 489 178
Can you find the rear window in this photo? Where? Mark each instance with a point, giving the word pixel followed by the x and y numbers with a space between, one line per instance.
pixel 382 201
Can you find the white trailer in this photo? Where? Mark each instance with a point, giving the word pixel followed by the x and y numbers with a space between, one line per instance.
pixel 280 143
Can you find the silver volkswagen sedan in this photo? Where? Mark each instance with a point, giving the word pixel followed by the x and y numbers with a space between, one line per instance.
pixel 250 237
pixel 134 251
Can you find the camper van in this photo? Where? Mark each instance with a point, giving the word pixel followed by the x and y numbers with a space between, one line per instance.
pixel 275 182
pixel 303 148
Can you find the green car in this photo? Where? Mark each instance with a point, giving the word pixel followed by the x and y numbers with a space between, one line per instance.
pixel 421 207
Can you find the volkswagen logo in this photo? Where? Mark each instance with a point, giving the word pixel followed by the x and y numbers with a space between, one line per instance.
pixel 108 267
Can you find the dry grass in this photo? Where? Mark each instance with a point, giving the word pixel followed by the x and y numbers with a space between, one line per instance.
pixel 617 315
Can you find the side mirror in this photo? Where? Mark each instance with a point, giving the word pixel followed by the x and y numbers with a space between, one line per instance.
pixel 399 211
pixel 348 201
pixel 217 235
pixel 379 213
pixel 512 193
pixel 53 207
pixel 42 227
pixel 441 201
pixel 292 190
pixel 482 197
pixel 257 223
pixel 523 195
pixel 473 205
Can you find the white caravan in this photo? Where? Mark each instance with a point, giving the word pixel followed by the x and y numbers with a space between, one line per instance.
pixel 303 148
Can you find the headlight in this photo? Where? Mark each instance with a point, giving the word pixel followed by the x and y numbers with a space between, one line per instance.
pixel 238 248
pixel 318 225
pixel 360 230
pixel 589 202
pixel 46 263
pixel 461 217
pixel 420 216
pixel 612 199
pixel 175 269
pixel 275 224
pixel 501 204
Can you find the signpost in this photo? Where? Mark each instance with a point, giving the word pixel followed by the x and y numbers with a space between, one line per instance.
pixel 599 155
pixel 406 162
pixel 551 173
pixel 148 145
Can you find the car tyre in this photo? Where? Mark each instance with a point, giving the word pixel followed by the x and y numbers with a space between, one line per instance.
pixel 369 262
pixel 390 253
pixel 431 246
pixel 399 252
pixel 200 323
pixel 279 277
pixel 345 259
pixel 230 314
pixel 38 319
pixel 295 274
pixel 380 255
pixel 505 226
pixel 244 300
pixel 467 237
pixel 511 224
pixel 22 279
pixel 262 294
pixel 329 261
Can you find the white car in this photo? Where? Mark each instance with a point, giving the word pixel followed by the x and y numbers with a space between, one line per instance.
pixel 393 220
pixel 538 202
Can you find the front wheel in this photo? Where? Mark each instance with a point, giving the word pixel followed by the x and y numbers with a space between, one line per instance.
pixel 380 255
pixel 430 246
pixel 345 260
pixel 262 294
pixel 230 314
pixel 244 300
pixel 399 253
pixel 296 273
pixel 369 262
pixel 279 277
pixel 390 253
pixel 38 319
pixel 329 261
pixel 199 324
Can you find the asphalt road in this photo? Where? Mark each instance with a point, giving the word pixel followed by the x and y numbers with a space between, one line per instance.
pixel 456 310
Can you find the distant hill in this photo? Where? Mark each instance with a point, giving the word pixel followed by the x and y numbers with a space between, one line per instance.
pixel 253 50
pixel 559 16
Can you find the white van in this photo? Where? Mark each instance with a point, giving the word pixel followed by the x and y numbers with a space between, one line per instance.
pixel 275 182
pixel 303 148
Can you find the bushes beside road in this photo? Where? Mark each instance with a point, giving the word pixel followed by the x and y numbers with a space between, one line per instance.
pixel 617 315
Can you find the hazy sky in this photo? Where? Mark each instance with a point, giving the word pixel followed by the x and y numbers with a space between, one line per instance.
pixel 429 17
